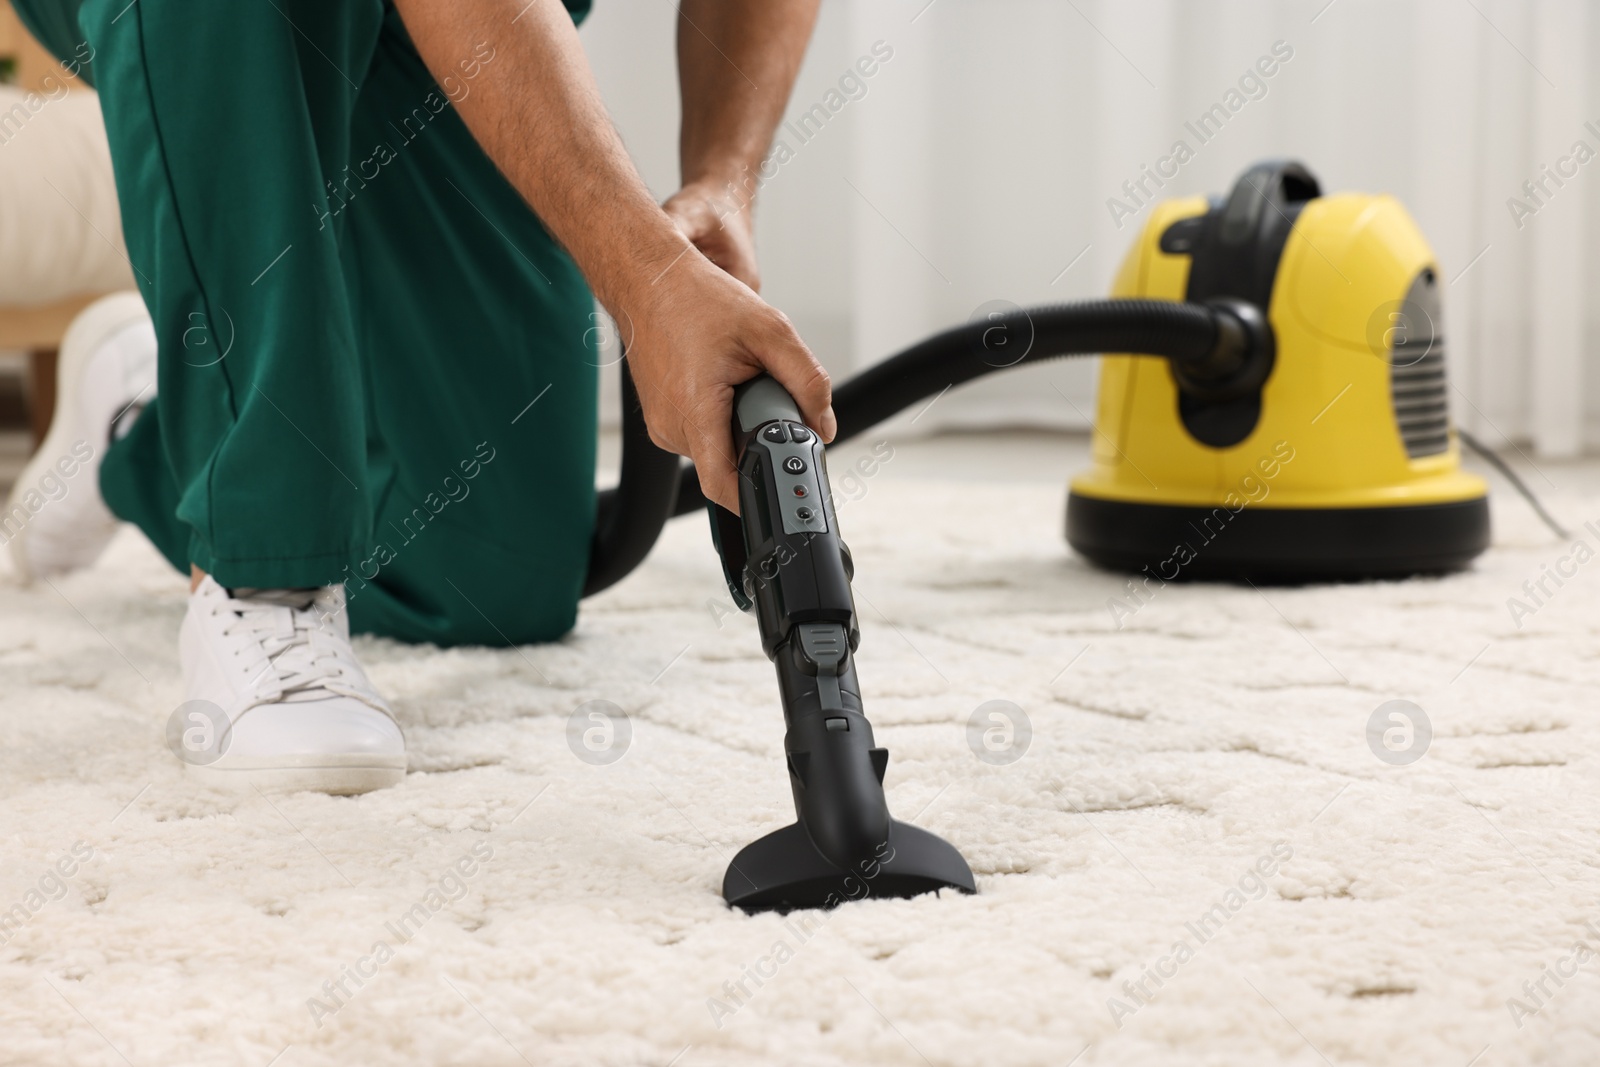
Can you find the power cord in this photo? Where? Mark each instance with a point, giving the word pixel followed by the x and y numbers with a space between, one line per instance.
pixel 1490 457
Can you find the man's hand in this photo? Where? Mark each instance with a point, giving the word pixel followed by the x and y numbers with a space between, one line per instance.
pixel 696 334
pixel 720 226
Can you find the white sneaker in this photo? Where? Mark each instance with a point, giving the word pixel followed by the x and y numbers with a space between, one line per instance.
pixel 56 520
pixel 289 706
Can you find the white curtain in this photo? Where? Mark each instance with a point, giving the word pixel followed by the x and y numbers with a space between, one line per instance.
pixel 977 163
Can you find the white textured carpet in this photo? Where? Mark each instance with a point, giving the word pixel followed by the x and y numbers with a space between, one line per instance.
pixel 1167 762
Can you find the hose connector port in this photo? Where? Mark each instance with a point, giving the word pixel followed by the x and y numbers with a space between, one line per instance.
pixel 1240 361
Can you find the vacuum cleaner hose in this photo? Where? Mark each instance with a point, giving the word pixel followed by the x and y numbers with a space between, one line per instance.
pixel 629 518
pixel 1217 349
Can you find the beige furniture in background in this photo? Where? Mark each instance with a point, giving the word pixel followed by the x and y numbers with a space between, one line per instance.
pixel 36 328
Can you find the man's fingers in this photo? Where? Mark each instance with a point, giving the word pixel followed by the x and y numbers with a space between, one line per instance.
pixel 714 463
pixel 787 359
pixel 720 487
pixel 720 484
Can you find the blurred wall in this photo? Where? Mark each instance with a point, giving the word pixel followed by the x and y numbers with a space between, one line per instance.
pixel 979 160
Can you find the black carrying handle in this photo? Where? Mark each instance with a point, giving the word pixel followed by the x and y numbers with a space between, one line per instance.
pixel 1264 197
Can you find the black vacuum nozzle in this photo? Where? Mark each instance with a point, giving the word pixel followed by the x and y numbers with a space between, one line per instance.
pixel 783 557
pixel 784 871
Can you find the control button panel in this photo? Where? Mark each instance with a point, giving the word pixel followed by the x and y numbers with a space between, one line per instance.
pixel 798 477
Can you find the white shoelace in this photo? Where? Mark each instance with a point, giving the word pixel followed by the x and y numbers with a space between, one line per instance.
pixel 299 654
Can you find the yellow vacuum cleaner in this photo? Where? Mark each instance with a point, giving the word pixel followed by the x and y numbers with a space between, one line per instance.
pixel 1292 424
pixel 1344 463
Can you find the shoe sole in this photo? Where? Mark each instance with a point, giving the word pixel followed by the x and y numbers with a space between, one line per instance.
pixel 334 775
pixel 88 331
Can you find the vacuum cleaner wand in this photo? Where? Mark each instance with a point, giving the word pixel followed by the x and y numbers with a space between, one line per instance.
pixel 784 558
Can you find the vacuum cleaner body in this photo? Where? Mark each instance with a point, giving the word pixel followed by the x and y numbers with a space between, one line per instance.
pixel 1344 465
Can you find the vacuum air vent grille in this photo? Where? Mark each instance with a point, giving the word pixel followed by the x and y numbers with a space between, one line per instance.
pixel 1421 402
pixel 1417 384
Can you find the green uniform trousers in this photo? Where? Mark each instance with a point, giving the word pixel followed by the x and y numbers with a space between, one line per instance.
pixel 376 366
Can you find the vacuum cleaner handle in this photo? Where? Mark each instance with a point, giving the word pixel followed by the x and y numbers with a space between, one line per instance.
pixel 1264 196
pixel 783 557
pixel 786 517
pixel 760 400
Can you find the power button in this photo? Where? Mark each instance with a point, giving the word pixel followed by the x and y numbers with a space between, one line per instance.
pixel 794 465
